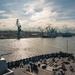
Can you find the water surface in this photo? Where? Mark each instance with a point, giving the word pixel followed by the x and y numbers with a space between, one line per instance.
pixel 28 47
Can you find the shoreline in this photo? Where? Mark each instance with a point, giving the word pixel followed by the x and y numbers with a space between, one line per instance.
pixel 26 34
pixel 31 37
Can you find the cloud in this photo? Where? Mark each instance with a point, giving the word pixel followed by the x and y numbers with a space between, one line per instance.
pixel 44 14
pixel 30 8
pixel 7 24
pixel 1 11
pixel 44 17
pixel 42 1
pixel 62 24
pixel 35 13
pixel 8 15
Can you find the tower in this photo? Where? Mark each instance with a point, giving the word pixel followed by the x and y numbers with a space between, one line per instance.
pixel 18 28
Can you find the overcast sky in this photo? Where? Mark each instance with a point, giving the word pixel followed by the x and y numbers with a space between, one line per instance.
pixel 37 13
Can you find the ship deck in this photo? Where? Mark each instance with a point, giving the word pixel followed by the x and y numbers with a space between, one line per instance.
pixel 50 66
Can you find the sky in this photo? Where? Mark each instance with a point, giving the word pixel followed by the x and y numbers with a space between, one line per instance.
pixel 37 13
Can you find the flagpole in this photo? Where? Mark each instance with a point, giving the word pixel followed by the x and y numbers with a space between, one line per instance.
pixel 67 45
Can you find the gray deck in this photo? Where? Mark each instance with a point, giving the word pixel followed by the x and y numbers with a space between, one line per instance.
pixel 22 71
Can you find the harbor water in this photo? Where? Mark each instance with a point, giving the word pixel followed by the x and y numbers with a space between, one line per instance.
pixel 14 49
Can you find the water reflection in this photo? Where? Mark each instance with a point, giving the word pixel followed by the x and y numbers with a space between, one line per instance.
pixel 28 47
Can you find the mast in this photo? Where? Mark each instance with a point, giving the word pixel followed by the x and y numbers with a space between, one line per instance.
pixel 67 45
